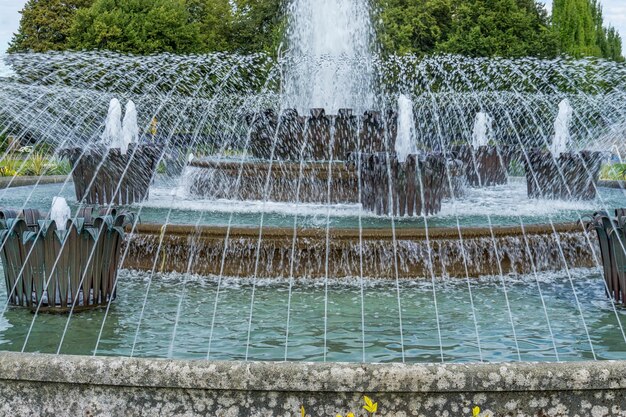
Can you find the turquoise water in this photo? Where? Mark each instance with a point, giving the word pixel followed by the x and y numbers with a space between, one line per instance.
pixel 503 205
pixel 350 316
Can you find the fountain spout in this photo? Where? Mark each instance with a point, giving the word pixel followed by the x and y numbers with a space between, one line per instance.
pixel 130 129
pixel 483 128
pixel 562 137
pixel 60 212
pixel 113 124
pixel 405 142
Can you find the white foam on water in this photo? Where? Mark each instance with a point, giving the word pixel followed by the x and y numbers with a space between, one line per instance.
pixel 163 198
pixel 510 199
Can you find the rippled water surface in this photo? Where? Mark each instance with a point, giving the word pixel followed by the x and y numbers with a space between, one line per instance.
pixel 363 320
pixel 502 205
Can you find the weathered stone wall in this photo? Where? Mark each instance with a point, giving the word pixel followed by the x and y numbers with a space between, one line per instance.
pixel 57 385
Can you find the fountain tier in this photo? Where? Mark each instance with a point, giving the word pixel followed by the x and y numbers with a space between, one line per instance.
pixel 319 136
pixel 309 253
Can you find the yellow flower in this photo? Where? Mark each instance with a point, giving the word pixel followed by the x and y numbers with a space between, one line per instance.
pixel 475 411
pixel 302 412
pixel 370 406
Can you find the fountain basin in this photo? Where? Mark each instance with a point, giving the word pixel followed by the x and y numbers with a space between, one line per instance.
pixel 570 176
pixel 304 182
pixel 351 252
pixel 33 383
pixel 106 176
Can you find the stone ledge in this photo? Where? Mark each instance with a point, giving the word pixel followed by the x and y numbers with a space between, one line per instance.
pixel 14 182
pixel 313 377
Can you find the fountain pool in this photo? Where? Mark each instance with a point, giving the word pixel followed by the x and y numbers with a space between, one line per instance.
pixel 359 329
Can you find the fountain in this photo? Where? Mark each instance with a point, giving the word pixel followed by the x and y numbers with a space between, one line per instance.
pixel 559 173
pixel 61 265
pixel 346 224
pixel 484 165
pixel 106 173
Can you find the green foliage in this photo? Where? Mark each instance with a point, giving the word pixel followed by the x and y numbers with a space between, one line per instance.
pixel 46 25
pixel 507 28
pixel 613 172
pixel 214 19
pixel 413 27
pixel 136 26
pixel 258 26
pixel 37 164
pixel 579 27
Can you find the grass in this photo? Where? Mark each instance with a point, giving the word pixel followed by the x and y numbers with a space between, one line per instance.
pixel 37 164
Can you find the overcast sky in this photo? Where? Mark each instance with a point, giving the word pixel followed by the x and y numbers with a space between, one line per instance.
pixel 614 13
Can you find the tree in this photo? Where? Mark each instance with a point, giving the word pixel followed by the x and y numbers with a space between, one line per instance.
pixel 258 25
pixel 614 45
pixel 579 26
pixel 413 27
pixel 136 26
pixel 507 28
pixel 215 21
pixel 46 25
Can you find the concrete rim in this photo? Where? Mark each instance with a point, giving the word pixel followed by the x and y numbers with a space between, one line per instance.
pixel 313 377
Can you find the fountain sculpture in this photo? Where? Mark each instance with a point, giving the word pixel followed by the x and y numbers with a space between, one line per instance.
pixel 54 264
pixel 119 170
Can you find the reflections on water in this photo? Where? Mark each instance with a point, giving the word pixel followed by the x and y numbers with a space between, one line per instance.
pixel 345 343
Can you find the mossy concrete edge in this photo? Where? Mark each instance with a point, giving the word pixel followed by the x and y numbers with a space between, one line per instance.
pixel 305 377
pixel 51 385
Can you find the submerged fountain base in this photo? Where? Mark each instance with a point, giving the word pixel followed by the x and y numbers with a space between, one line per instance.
pixel 570 176
pixel 486 166
pixel 106 176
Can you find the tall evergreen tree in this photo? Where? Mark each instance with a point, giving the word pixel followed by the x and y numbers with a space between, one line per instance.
pixel 579 27
pixel 614 45
pixel 46 25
